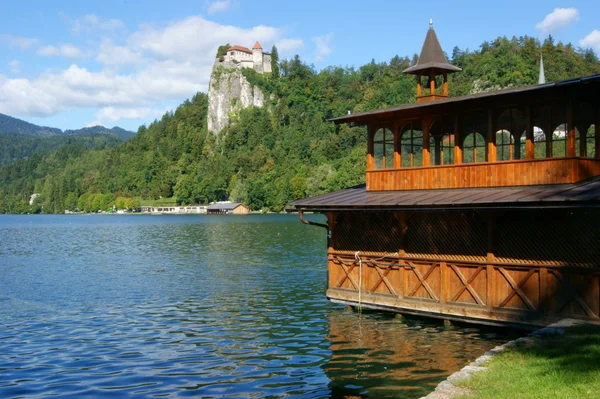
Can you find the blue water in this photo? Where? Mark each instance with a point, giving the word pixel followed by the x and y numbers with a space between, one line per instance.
pixel 201 306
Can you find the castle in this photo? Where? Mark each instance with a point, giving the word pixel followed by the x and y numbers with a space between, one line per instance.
pixel 246 58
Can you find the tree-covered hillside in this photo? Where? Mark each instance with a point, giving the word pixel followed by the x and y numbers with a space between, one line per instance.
pixel 268 156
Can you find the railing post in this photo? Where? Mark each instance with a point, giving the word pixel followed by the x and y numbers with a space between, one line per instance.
pixel 570 131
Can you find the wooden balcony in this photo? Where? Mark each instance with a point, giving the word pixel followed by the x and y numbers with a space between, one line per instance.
pixel 496 174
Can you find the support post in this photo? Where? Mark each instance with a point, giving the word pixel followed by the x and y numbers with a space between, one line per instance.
pixel 570 131
pixel 431 83
pixel 419 86
pixel 445 92
pixel 426 135
pixel 489 269
pixel 529 145
pixel 491 137
pixel 597 134
pixel 457 141
pixel 397 149
pixel 370 148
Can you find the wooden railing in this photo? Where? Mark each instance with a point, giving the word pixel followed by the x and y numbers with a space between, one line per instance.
pixel 488 292
pixel 496 174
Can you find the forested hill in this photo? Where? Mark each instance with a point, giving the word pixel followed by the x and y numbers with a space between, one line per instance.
pixel 15 127
pixel 268 156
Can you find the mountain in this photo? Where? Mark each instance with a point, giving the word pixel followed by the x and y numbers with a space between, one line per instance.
pixel 18 127
pixel 10 126
pixel 98 129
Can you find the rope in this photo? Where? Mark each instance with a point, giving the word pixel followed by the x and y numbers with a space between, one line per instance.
pixel 359 280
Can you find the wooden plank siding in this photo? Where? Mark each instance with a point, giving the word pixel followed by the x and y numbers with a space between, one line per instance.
pixel 480 175
pixel 487 292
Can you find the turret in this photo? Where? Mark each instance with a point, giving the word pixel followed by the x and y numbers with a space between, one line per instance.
pixel 432 62
pixel 257 57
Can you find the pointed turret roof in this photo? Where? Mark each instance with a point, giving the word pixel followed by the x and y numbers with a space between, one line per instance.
pixel 257 46
pixel 542 79
pixel 432 56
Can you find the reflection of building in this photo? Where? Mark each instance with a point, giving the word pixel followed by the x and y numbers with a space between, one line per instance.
pixel 228 207
pixel 381 356
pixel 462 219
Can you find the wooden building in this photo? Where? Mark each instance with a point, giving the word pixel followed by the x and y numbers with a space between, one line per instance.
pixel 234 208
pixel 481 208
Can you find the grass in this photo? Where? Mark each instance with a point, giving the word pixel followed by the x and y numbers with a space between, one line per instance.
pixel 557 366
pixel 158 202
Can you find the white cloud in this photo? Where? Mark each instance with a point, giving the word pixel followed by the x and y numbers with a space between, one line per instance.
pixel 115 55
pixel 591 41
pixel 24 43
pixel 90 23
pixel 289 46
pixel 218 6
pixel 15 66
pixel 163 64
pixel 323 46
pixel 559 18
pixel 114 114
pixel 196 38
pixel 95 123
pixel 65 50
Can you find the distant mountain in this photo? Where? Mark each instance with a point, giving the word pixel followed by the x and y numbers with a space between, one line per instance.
pixel 18 127
pixel 10 126
pixel 115 131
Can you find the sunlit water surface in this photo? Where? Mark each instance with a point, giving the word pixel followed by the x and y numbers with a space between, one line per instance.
pixel 201 306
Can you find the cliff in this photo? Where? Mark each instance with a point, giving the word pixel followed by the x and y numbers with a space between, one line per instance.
pixel 229 91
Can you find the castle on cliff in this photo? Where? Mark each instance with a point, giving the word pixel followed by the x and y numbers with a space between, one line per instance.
pixel 246 58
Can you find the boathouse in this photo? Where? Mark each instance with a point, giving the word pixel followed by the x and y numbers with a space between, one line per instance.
pixel 227 207
pixel 481 208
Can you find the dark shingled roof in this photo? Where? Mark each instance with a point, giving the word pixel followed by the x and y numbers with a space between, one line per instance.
pixel 585 193
pixel 224 206
pixel 432 56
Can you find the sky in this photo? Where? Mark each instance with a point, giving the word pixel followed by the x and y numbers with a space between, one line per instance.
pixel 70 64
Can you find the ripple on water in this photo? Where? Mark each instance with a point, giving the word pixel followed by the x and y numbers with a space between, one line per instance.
pixel 239 311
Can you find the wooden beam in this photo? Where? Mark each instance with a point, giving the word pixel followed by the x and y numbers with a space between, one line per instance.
pixel 419 86
pixel 529 145
pixel 458 145
pixel 570 131
pixel 445 92
pixel 426 134
pixel 491 136
pixel 370 148
pixel 431 83
pixel 597 134
pixel 397 149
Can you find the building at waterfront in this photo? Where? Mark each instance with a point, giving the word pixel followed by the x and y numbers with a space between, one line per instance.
pixel 234 208
pixel 481 208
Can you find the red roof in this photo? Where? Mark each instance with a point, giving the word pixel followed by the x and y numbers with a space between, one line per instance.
pixel 240 48
pixel 257 46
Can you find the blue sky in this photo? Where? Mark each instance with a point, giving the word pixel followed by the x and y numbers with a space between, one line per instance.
pixel 70 64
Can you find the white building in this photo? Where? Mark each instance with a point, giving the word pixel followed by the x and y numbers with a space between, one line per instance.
pixel 246 58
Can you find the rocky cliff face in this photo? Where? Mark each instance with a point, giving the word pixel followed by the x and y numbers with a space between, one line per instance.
pixel 229 92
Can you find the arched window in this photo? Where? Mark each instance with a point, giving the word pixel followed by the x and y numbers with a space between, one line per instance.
pixel 411 144
pixel 559 140
pixel 474 148
pixel 383 148
pixel 504 145
pixel 447 149
pixel 539 143
pixel 590 142
pixel 511 121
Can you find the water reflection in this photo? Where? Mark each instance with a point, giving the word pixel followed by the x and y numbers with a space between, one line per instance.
pixel 199 306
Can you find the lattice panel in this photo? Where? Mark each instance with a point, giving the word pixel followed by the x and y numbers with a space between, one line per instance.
pixel 452 235
pixel 549 237
pixel 368 232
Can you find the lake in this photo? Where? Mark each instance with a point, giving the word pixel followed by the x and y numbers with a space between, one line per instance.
pixel 201 306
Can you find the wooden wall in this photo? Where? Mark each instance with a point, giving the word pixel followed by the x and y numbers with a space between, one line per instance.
pixel 499 174
pixel 529 285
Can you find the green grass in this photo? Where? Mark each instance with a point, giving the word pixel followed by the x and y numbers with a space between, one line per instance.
pixel 159 202
pixel 558 366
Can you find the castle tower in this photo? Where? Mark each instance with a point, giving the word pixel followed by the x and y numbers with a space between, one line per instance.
pixel 432 62
pixel 257 57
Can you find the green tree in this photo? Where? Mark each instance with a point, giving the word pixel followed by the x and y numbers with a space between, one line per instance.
pixel 274 62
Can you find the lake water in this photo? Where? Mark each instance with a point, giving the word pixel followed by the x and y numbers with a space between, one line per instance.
pixel 200 306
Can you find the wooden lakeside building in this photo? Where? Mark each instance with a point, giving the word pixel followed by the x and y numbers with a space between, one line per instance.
pixel 481 208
